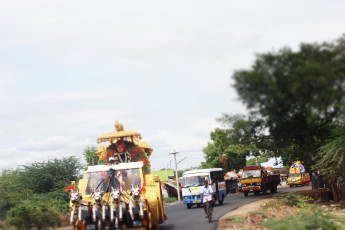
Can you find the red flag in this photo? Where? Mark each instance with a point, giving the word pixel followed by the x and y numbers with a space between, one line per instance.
pixel 143 190
pixel 68 188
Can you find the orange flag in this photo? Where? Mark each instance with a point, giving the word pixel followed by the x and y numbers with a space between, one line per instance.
pixel 68 188
pixel 143 189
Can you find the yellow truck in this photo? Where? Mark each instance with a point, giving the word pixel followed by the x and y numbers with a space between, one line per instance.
pixel 297 175
pixel 123 195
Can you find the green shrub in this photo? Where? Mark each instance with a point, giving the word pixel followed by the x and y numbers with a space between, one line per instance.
pixel 305 220
pixel 235 218
pixel 258 213
pixel 30 213
pixel 297 200
pixel 271 205
pixel 38 181
pixel 169 199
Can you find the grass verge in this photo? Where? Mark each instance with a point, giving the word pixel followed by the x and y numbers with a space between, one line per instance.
pixel 169 199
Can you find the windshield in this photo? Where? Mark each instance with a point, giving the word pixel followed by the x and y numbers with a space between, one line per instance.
pixel 116 179
pixel 251 174
pixel 294 175
pixel 195 180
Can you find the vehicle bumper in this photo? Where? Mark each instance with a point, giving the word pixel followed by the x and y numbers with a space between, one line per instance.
pixel 295 183
pixel 192 199
pixel 251 188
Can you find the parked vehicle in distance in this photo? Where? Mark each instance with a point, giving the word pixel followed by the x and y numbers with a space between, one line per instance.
pixel 297 175
pixel 193 181
pixel 256 179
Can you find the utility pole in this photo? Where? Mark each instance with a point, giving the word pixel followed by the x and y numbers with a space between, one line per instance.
pixel 177 184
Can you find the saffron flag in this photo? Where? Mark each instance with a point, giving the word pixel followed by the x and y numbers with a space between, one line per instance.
pixel 68 188
pixel 143 189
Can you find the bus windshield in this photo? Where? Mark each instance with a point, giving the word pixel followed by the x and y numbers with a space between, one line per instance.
pixel 117 179
pixel 194 180
pixel 251 174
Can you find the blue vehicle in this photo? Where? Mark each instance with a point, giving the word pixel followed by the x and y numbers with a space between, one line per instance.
pixel 193 181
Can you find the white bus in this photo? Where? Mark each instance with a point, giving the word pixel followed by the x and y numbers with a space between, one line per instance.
pixel 192 182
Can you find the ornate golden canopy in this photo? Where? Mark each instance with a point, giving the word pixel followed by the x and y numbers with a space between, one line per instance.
pixel 120 134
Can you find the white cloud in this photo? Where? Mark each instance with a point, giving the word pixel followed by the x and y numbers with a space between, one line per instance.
pixel 8 77
pixel 53 143
pixel 7 153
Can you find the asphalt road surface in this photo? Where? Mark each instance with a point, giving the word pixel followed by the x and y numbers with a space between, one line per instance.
pixel 181 218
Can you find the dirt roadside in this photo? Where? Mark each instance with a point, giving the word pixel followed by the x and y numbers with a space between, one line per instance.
pixel 241 213
pixel 249 216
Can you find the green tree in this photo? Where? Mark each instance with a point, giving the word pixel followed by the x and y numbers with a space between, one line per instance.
pixel 33 195
pixel 242 129
pixel 297 93
pixel 331 159
pixel 261 159
pixel 241 137
pixel 51 175
pixel 13 190
pixel 90 154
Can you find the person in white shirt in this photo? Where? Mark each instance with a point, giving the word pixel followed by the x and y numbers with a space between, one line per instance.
pixel 207 195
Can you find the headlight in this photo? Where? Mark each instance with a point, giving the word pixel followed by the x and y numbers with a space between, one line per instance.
pixel 258 183
pixel 243 185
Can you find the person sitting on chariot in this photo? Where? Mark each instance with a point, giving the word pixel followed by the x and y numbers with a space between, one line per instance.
pixel 121 156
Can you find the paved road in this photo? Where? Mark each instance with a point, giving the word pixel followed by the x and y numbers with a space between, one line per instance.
pixel 181 218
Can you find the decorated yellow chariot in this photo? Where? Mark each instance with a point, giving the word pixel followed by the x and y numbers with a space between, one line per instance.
pixel 119 192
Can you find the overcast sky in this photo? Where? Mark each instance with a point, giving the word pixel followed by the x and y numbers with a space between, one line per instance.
pixel 69 69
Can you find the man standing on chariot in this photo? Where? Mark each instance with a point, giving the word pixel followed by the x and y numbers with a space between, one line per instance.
pixel 121 156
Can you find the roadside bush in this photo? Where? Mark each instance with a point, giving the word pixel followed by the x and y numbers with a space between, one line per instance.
pixel 12 190
pixel 33 195
pixel 33 213
pixel 259 213
pixel 305 220
pixel 169 199
pixel 271 205
pixel 297 200
pixel 236 218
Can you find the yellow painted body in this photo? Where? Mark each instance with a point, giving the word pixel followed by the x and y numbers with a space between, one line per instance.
pixel 151 193
pixel 251 184
pixel 247 181
pixel 296 177
pixel 153 199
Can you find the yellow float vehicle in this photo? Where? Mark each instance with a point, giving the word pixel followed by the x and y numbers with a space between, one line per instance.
pixel 297 175
pixel 120 192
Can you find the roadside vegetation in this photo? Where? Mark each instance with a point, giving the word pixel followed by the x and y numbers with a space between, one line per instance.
pixel 288 212
pixel 33 196
pixel 308 215
pixel 169 199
